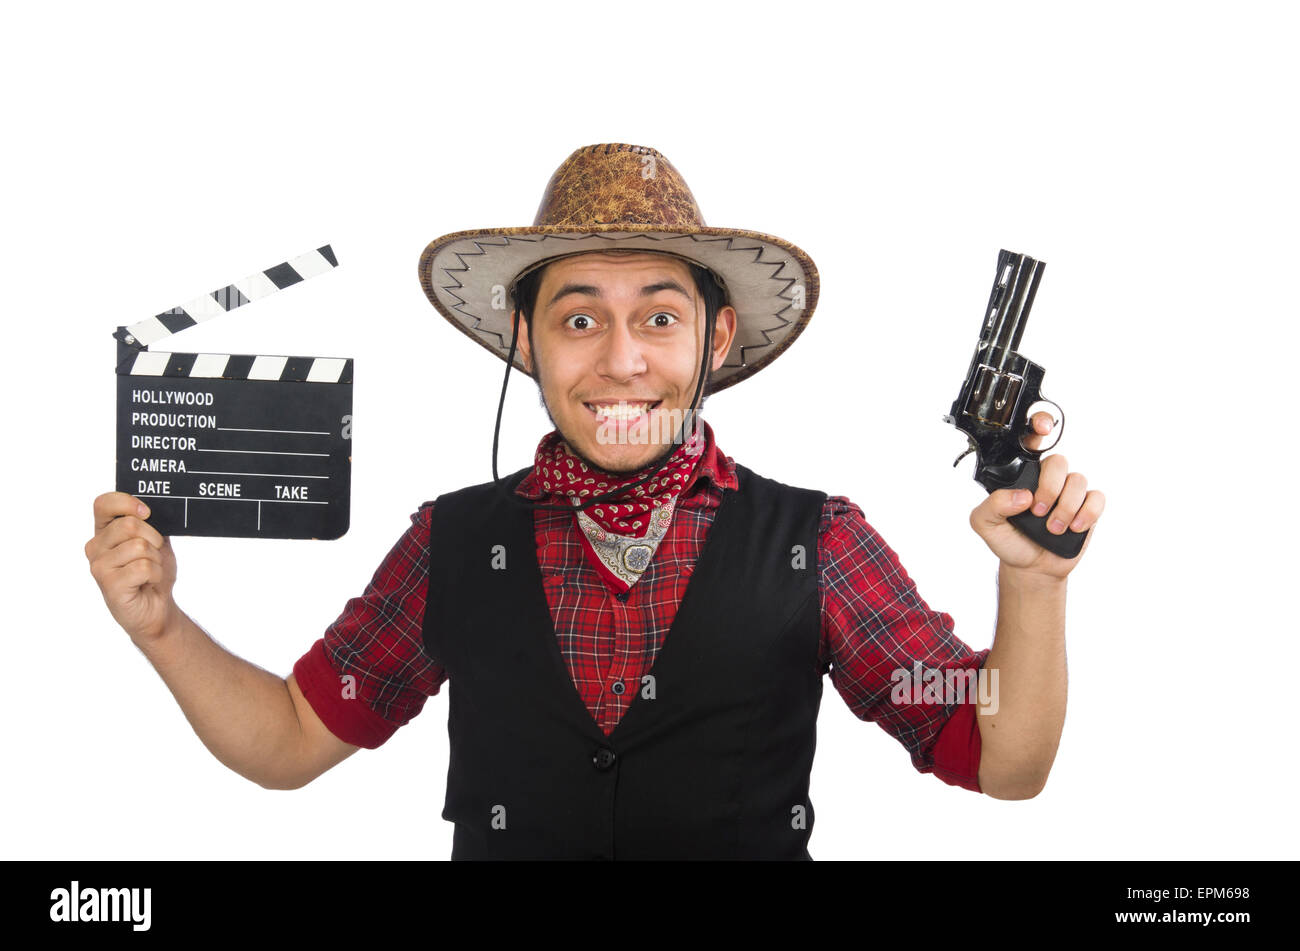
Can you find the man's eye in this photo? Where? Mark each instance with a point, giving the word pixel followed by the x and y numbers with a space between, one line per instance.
pixel 663 313
pixel 576 317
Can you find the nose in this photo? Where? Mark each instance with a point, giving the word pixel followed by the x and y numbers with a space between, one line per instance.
pixel 620 354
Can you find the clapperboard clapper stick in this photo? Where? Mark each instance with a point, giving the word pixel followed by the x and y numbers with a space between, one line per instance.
pixel 236 445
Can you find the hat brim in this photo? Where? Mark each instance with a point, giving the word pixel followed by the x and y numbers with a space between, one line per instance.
pixel 772 284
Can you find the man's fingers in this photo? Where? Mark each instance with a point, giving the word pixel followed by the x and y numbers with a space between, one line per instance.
pixel 1040 424
pixel 129 526
pixel 110 505
pixel 1051 479
pixel 1069 503
pixel 119 530
pixel 1093 504
pixel 133 549
pixel 133 574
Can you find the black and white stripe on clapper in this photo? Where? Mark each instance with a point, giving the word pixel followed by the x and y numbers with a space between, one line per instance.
pixel 254 287
pixel 241 445
pixel 235 366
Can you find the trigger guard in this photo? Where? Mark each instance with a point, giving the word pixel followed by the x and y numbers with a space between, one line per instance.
pixel 1042 399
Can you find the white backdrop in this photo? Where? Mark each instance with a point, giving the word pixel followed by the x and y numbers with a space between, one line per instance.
pixel 1146 152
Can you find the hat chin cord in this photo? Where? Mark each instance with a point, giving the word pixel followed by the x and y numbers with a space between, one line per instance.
pixel 688 419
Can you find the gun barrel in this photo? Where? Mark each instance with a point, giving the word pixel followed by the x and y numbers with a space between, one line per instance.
pixel 1009 304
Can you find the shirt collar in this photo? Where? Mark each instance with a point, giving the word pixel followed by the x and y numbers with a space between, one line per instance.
pixel 713 465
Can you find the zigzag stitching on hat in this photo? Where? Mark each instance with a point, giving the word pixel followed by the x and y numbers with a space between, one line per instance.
pixel 779 267
pixel 506 240
pixel 461 255
pixel 451 289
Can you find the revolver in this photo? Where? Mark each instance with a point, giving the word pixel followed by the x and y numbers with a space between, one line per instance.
pixel 1000 387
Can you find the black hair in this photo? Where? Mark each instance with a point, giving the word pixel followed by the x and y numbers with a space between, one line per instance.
pixel 706 285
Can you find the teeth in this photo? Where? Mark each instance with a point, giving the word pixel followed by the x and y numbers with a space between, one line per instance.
pixel 621 410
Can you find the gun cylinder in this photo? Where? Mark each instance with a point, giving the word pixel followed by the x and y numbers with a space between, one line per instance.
pixel 994 396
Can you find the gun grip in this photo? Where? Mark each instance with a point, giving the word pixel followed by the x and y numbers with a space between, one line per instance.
pixel 1067 545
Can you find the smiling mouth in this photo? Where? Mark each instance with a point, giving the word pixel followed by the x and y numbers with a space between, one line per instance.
pixel 621 410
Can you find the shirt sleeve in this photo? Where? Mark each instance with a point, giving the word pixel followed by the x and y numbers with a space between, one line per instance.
pixel 884 644
pixel 369 674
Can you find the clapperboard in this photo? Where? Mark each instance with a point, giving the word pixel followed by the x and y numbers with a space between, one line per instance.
pixel 236 445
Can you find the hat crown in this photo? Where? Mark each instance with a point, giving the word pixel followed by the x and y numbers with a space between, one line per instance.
pixel 614 183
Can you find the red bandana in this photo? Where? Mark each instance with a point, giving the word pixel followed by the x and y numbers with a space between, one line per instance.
pixel 558 470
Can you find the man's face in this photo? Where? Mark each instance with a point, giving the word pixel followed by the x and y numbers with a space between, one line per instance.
pixel 611 327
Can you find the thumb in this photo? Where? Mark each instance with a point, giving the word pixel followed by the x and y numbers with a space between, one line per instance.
pixel 1002 504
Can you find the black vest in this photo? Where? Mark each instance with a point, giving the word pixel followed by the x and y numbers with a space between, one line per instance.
pixel 712 758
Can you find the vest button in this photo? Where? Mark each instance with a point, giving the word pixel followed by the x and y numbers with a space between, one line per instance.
pixel 618 687
pixel 603 758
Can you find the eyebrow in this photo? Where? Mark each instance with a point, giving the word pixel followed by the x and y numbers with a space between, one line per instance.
pixel 591 290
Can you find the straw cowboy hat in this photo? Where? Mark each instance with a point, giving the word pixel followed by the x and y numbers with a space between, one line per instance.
pixel 617 196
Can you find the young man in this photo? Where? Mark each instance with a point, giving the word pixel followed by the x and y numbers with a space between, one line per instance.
pixel 635 628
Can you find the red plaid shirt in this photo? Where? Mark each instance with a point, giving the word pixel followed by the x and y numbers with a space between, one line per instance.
pixel 873 623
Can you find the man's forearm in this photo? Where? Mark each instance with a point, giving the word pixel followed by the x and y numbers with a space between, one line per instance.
pixel 1019 740
pixel 244 715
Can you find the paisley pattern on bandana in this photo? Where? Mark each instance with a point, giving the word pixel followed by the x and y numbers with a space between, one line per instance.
pixel 624 556
pixel 621 534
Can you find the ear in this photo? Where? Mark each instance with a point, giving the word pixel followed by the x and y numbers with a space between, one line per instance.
pixel 724 332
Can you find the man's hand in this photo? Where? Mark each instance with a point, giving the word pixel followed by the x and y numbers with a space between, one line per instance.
pixel 1062 495
pixel 134 567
